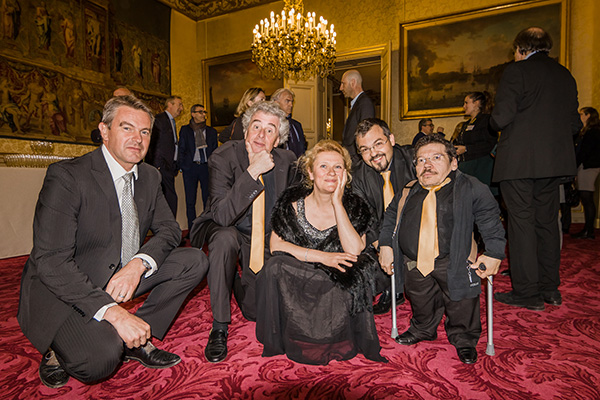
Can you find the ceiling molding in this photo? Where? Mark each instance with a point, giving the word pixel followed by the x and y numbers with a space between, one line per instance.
pixel 203 9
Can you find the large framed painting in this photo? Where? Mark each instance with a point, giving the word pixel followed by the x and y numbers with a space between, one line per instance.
pixel 225 79
pixel 444 58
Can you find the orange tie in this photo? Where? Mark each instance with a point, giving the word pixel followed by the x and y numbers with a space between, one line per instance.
pixel 428 233
pixel 388 189
pixel 257 240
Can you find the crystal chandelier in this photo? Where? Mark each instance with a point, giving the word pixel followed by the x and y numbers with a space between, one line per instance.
pixel 292 45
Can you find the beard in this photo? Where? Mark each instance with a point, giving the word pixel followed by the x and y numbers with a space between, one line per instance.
pixel 382 165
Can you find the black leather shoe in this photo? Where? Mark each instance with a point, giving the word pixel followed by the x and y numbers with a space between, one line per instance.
pixel 467 355
pixel 530 303
pixel 552 298
pixel 50 371
pixel 385 302
pixel 408 339
pixel 216 349
pixel 584 234
pixel 151 357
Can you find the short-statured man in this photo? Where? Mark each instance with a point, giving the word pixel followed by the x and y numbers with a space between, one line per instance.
pixel 246 177
pixel 197 141
pixel 430 244
pixel 163 148
pixel 385 169
pixel 90 255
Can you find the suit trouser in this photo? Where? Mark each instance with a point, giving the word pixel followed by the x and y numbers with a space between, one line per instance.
pixel 191 177
pixel 225 246
pixel 91 351
pixel 533 234
pixel 168 187
pixel 429 298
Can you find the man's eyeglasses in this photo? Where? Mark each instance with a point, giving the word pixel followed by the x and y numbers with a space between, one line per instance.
pixel 377 146
pixel 199 112
pixel 436 158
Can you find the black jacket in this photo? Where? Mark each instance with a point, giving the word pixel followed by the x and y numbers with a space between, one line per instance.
pixel 368 183
pixel 473 203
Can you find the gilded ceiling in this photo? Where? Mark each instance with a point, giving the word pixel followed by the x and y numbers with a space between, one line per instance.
pixel 202 9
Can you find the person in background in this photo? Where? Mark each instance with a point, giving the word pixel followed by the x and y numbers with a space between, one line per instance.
pixel 476 139
pixel 426 128
pixel 235 130
pixel 536 108
pixel 163 148
pixel 197 141
pixel 361 107
pixel 296 141
pixel 588 168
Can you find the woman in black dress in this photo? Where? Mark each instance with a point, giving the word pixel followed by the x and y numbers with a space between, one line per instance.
pixel 476 140
pixel 315 293
pixel 587 149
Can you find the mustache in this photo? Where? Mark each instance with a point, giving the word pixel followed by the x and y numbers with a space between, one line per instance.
pixel 428 170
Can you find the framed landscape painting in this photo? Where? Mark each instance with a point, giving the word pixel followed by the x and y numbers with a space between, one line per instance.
pixel 226 79
pixel 444 58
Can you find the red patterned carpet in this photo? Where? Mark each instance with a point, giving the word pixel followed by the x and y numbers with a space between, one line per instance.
pixel 554 354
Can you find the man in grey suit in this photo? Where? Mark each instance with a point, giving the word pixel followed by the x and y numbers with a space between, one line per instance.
pixel 536 110
pixel 89 256
pixel 243 173
pixel 361 107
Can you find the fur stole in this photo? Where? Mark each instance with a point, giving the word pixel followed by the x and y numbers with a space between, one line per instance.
pixel 358 279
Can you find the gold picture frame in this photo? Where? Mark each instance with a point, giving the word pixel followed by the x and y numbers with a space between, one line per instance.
pixel 225 79
pixel 444 58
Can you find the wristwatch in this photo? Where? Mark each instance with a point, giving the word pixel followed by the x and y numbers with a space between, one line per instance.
pixel 146 264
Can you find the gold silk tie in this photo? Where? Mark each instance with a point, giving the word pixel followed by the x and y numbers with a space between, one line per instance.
pixel 388 189
pixel 257 240
pixel 428 233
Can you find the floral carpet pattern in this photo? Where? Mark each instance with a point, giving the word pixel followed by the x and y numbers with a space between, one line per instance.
pixel 551 354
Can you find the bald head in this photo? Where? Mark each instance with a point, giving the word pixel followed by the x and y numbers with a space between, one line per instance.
pixel 351 84
pixel 122 91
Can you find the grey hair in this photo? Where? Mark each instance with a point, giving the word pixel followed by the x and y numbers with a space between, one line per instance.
pixel 112 105
pixel 268 107
pixel 276 94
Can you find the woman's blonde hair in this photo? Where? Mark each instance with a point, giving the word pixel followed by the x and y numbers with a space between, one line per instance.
pixel 306 162
pixel 249 95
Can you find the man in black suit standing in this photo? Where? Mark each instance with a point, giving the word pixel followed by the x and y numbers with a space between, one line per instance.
pixel 163 148
pixel 361 107
pixel 246 177
pixel 536 110
pixel 386 168
pixel 296 141
pixel 197 141
pixel 89 255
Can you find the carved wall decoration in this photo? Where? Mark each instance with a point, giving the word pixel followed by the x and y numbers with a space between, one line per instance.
pixel 202 9
pixel 60 60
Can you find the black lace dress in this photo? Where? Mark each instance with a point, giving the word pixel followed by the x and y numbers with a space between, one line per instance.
pixel 309 311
